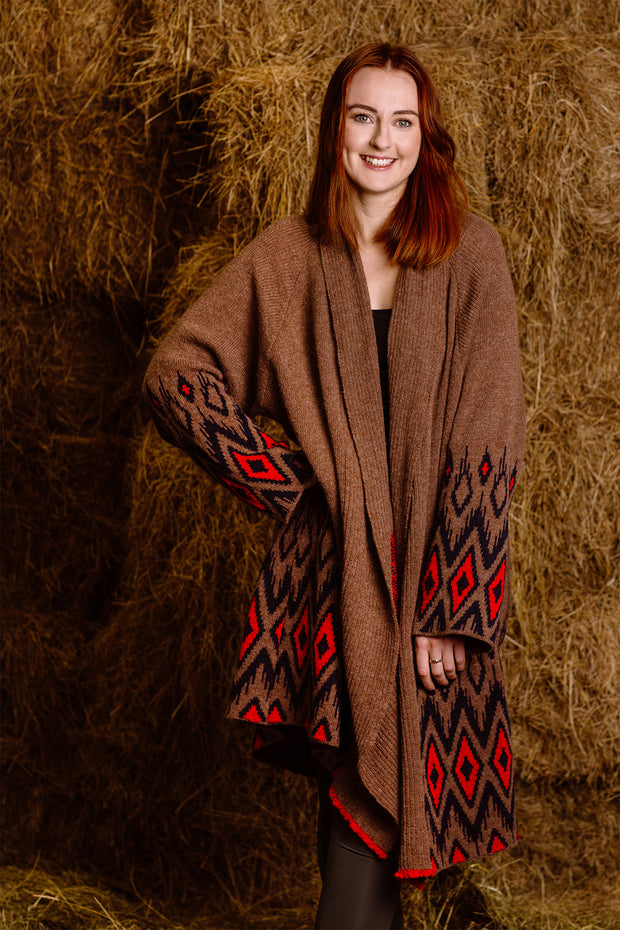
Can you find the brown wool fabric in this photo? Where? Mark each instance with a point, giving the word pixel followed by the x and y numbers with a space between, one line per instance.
pixel 367 555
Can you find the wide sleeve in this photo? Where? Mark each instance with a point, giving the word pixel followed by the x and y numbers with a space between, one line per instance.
pixel 465 582
pixel 212 372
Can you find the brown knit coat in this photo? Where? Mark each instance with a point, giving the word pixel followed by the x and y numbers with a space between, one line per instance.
pixel 375 545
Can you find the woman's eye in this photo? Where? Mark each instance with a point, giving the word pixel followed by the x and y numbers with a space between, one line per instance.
pixel 403 123
pixel 361 117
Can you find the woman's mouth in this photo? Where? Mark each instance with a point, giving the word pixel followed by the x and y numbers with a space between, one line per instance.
pixel 377 162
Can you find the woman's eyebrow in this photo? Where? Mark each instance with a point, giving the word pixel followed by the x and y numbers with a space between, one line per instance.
pixel 364 106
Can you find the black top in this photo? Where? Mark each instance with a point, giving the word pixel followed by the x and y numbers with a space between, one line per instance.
pixel 381 319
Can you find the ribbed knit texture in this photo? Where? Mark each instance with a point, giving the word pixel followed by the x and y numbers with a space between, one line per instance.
pixel 287 330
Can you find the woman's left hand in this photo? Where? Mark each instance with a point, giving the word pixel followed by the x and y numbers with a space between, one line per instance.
pixel 439 659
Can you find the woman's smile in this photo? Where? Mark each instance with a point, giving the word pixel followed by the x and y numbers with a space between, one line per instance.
pixel 374 162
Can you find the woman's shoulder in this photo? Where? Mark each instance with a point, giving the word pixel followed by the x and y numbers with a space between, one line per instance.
pixel 279 261
pixel 481 273
pixel 284 239
pixel 480 242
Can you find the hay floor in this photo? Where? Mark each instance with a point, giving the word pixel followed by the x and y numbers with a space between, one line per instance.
pixel 475 900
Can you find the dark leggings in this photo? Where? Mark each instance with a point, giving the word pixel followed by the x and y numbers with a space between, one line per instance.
pixel 359 889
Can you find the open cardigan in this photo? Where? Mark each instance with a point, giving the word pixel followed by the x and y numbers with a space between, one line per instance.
pixel 374 545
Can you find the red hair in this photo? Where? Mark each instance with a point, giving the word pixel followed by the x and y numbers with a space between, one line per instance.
pixel 424 227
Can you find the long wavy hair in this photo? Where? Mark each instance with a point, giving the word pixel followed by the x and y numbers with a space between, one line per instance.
pixel 424 227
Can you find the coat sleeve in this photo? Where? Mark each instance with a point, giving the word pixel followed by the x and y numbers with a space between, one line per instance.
pixel 465 582
pixel 211 373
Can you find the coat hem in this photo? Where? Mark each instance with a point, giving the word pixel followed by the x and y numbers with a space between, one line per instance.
pixel 355 826
pixel 415 877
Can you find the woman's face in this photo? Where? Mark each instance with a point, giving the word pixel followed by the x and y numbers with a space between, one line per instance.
pixel 382 135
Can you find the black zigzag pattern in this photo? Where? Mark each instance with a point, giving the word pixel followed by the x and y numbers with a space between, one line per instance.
pixel 289 671
pixel 199 416
pixel 467 759
pixel 466 572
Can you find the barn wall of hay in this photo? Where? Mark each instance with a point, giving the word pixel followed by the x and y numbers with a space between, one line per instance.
pixel 143 143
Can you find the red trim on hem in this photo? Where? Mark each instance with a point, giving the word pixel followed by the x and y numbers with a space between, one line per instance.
pixel 406 875
pixel 417 876
pixel 355 826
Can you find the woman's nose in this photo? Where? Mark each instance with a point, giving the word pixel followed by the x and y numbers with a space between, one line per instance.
pixel 381 136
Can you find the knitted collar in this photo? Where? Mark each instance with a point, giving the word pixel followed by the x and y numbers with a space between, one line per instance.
pixel 416 357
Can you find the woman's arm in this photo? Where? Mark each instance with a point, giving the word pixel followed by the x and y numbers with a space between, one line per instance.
pixel 464 595
pixel 212 372
pixel 194 412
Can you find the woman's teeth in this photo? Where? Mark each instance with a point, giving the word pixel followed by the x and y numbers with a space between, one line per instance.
pixel 378 162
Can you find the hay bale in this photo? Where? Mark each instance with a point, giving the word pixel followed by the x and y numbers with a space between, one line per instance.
pixel 564 250
pixel 480 897
pixel 82 180
pixel 74 42
pixel 68 413
pixel 82 205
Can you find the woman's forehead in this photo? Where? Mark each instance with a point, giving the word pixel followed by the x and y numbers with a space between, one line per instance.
pixel 372 85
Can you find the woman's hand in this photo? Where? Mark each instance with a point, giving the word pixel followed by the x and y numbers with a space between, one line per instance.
pixel 439 659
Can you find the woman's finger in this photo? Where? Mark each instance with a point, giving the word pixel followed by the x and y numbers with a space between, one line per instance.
pixel 423 667
pixel 448 659
pixel 436 663
pixel 459 653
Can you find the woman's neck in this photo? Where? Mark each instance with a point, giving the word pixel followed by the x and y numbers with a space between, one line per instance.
pixel 371 213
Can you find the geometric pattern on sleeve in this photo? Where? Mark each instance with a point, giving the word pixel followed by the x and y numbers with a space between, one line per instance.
pixel 467 761
pixel 466 572
pixel 199 416
pixel 289 670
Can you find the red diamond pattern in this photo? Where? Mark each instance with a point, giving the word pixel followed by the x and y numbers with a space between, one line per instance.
pixel 253 712
pixel 322 732
pixel 463 581
pixel 259 466
pixel 270 442
pixel 502 758
pixel 435 774
pixel 467 768
pixel 278 631
pixel 324 645
pixel 243 493
pixel 495 591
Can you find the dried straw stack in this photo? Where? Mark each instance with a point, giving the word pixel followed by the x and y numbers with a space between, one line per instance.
pixel 136 132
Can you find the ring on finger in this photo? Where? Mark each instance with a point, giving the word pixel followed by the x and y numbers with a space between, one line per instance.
pixel 435 661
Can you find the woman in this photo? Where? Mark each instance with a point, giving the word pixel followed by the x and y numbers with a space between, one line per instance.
pixel 380 331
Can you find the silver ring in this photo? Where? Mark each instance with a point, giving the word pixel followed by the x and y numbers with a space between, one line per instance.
pixel 435 661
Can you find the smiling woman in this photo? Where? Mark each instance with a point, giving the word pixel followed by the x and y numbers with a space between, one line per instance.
pixel 380 331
